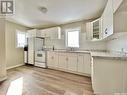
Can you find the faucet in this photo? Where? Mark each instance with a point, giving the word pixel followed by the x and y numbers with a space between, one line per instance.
pixel 124 53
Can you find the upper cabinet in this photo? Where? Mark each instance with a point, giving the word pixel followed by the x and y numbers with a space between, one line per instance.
pixel 33 33
pixel 52 33
pixel 103 27
pixel 94 30
pixel 107 20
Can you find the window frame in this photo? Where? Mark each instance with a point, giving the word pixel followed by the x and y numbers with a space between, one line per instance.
pixel 72 30
pixel 17 45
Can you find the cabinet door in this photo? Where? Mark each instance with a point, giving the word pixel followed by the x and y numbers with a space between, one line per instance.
pixel 55 60
pixel 52 59
pixel 87 63
pixel 38 33
pixel 30 50
pixel 81 63
pixel 72 61
pixel 96 29
pixel 107 19
pixel 43 33
pixel 63 61
pixel 32 33
pixel 49 59
pixel 84 63
pixel 89 31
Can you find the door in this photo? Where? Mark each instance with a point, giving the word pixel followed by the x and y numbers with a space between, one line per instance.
pixel 87 64
pixel 63 61
pixel 84 63
pixel 107 19
pixel 52 59
pixel 89 31
pixel 96 29
pixel 56 59
pixel 72 61
pixel 81 63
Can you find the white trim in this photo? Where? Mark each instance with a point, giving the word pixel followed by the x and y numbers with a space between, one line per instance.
pixel 72 30
pixel 14 66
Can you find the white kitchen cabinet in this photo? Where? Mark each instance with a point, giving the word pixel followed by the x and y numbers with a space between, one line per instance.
pixel 107 20
pixel 44 33
pixel 33 33
pixel 87 62
pixel 78 63
pixel 31 51
pixel 84 63
pixel 89 31
pixel 52 33
pixel 52 59
pixel 116 4
pixel 103 27
pixel 81 65
pixel 94 30
pixel 109 76
pixel 72 61
pixel 63 61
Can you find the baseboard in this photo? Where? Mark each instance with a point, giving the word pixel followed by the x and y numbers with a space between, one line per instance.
pixel 14 66
pixel 2 79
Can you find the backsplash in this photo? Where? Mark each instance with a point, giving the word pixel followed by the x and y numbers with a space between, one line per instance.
pixel 84 44
pixel 118 43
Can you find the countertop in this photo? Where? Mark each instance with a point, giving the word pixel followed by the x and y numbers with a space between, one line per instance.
pixel 97 54
pixel 67 51
pixel 109 55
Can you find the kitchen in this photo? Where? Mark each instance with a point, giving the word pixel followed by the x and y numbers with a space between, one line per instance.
pixel 94 50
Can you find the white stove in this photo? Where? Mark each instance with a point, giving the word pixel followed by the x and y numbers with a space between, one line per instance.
pixel 40 59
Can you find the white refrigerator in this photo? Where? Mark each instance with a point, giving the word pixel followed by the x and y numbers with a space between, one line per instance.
pixel 34 44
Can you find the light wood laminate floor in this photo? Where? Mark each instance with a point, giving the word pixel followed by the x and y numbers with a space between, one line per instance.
pixel 29 80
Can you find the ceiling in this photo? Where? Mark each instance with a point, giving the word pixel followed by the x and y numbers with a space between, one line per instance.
pixel 59 11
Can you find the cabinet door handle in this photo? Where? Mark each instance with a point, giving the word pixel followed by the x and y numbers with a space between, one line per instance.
pixel 106 31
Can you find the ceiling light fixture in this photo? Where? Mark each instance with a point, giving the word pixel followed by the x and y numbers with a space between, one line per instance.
pixel 43 9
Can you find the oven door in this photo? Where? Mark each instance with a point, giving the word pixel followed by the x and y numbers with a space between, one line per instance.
pixel 40 56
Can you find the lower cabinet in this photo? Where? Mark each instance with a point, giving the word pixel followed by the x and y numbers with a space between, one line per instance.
pixel 84 63
pixel 109 76
pixel 72 61
pixel 62 61
pixel 78 63
pixel 81 64
pixel 52 59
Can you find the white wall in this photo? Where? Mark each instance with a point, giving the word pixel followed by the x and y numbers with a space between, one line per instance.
pixel 119 43
pixel 84 44
pixel 2 50
pixel 120 18
pixel 14 56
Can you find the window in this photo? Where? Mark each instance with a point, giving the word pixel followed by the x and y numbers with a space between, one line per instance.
pixel 72 38
pixel 21 39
